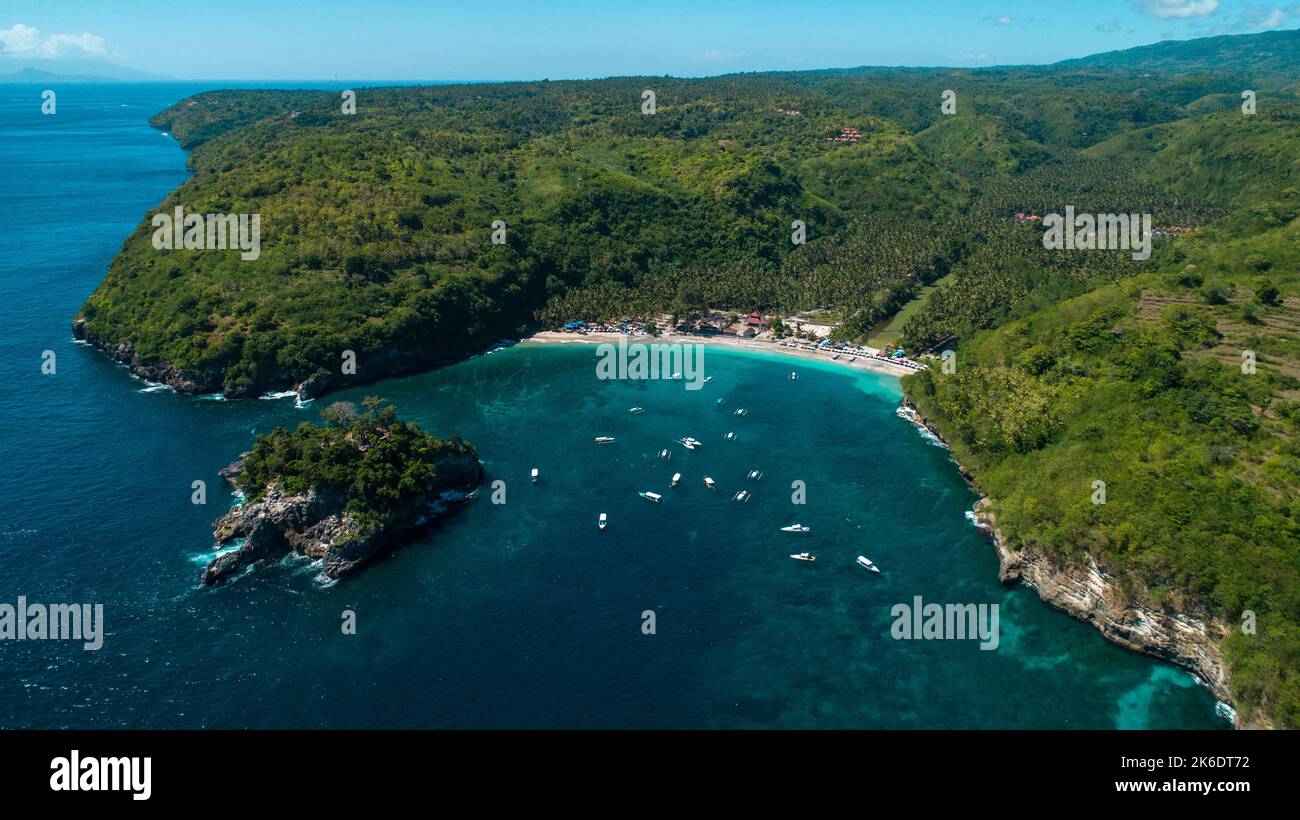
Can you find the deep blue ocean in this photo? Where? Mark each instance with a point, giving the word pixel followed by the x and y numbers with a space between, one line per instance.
pixel 522 614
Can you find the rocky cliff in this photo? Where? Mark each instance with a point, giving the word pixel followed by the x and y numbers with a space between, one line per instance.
pixel 1188 639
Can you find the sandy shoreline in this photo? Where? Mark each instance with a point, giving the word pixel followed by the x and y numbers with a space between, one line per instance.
pixel 862 363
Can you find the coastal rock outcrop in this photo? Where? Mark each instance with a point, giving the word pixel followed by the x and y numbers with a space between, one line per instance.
pixel 1087 591
pixel 159 372
pixel 320 527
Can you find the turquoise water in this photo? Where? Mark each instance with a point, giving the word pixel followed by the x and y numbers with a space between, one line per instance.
pixel 522 614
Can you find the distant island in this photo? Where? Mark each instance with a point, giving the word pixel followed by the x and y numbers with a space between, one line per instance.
pixel 31 75
pixel 14 70
pixel 1132 421
pixel 343 493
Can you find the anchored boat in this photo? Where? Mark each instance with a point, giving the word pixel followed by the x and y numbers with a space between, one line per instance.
pixel 604 439
pixel 863 561
pixel 649 496
pixel 602 521
pixel 796 528
pixel 804 556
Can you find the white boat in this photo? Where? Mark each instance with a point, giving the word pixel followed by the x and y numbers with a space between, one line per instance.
pixel 649 496
pixel 730 436
pixel 664 454
pixel 603 521
pixel 796 528
pixel 677 477
pixel 755 475
pixel 740 411
pixel 741 496
pixel 863 561
pixel 708 379
pixel 534 475
pixel 677 375
pixel 804 556
pixel 708 482
pixel 604 439
pixel 636 411
pixel 793 375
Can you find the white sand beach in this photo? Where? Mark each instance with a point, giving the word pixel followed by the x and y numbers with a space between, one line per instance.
pixel 594 337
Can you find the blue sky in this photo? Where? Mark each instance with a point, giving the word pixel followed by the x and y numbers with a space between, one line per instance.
pixel 510 40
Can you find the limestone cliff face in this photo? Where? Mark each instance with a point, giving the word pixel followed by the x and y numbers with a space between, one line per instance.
pixel 319 526
pixel 1090 593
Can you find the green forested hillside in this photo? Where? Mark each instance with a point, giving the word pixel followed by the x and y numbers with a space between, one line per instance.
pixel 376 227
pixel 1273 53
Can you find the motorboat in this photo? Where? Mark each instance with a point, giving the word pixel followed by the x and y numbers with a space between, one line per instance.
pixel 863 561
pixel 649 496
pixel 754 475
pixel 740 411
pixel 636 411
pixel 741 496
pixel 796 528
pixel 604 439
pixel 730 436
pixel 602 521
pixel 708 482
pixel 804 556
pixel 677 477
pixel 535 475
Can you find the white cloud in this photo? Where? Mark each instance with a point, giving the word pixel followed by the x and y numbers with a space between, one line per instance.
pixel 1251 18
pixel 1259 18
pixel 1181 9
pixel 27 41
